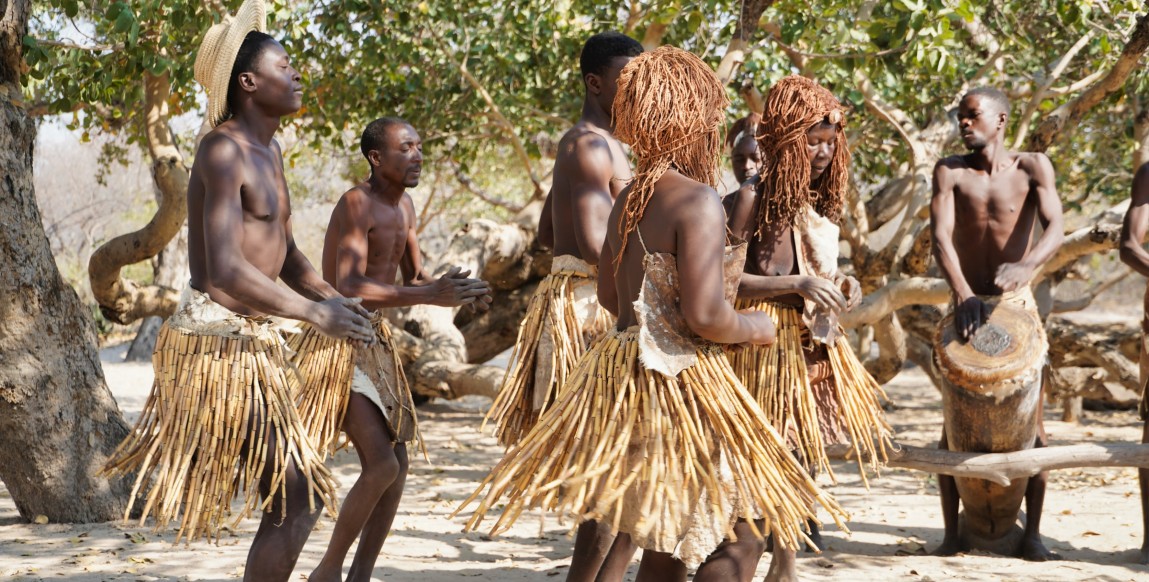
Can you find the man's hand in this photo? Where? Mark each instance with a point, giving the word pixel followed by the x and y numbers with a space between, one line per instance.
pixel 764 332
pixel 851 288
pixel 343 318
pixel 455 288
pixel 1013 276
pixel 969 314
pixel 823 293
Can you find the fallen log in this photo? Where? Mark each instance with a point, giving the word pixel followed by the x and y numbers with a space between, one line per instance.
pixel 1001 468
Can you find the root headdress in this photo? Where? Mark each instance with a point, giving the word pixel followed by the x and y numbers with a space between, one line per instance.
pixel 668 109
pixel 796 104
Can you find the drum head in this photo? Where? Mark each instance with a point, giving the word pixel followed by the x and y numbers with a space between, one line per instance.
pixel 1010 343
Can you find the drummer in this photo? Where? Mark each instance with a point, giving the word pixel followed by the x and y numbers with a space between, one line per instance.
pixel 982 218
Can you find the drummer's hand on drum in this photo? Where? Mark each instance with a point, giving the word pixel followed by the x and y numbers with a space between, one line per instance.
pixel 1013 276
pixel 968 316
pixel 824 293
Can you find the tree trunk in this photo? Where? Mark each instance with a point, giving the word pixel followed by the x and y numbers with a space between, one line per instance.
pixel 58 421
pixel 171 270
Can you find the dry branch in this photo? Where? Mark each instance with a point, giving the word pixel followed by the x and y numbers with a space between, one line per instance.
pixel 434 350
pixel 125 301
pixel 744 32
pixel 1001 468
pixel 1070 113
pixel 896 295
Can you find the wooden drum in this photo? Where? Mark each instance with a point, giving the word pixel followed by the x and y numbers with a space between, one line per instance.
pixel 991 399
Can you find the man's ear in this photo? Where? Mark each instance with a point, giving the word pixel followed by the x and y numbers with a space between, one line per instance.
pixel 593 83
pixel 246 81
pixel 1002 119
pixel 374 158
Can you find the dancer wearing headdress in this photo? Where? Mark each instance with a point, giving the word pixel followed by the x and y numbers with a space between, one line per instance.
pixel 810 383
pixel 653 434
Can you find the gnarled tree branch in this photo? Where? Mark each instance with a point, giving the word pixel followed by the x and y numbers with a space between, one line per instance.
pixel 1070 113
pixel 122 300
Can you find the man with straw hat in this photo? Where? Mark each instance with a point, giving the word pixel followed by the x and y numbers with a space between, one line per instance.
pixel 220 420
pixel 810 383
pixel 984 212
pixel 653 434
pixel 371 240
pixel 564 316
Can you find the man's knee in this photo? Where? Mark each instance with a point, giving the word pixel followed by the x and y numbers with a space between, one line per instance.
pixel 382 470
pixel 401 456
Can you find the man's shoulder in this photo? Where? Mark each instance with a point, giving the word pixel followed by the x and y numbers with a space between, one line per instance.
pixel 1032 161
pixel 952 163
pixel 354 200
pixel 584 138
pixel 219 143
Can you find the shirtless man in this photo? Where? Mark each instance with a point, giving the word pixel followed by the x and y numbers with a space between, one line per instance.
pixel 590 171
pixel 1134 255
pixel 240 242
pixel 372 237
pixel 982 218
pixel 745 158
pixel 591 167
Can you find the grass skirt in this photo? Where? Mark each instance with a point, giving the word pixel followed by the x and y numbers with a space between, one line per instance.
pixel 844 408
pixel 333 369
pixel 642 451
pixel 219 413
pixel 563 318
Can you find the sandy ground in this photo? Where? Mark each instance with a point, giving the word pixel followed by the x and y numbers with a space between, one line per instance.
pixel 1091 518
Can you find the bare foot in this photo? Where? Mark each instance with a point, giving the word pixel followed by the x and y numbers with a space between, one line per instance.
pixel 1032 550
pixel 1143 557
pixel 949 547
pixel 783 568
pixel 322 574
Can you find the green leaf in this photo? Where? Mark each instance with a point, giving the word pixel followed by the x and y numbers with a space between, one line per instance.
pixel 124 21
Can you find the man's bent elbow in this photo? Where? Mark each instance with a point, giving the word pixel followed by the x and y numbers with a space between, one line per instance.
pixel 710 328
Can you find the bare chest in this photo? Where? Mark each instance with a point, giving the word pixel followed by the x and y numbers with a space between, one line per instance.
pixel 773 254
pixel 264 193
pixel 621 172
pixel 986 199
pixel 387 238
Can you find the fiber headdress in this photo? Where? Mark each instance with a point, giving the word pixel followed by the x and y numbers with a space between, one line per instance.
pixel 217 52
pixel 794 105
pixel 668 108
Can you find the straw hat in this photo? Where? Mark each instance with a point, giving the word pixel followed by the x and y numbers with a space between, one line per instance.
pixel 217 54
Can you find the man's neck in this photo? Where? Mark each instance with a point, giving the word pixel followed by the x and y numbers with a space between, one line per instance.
pixel 385 191
pixel 989 158
pixel 592 114
pixel 257 127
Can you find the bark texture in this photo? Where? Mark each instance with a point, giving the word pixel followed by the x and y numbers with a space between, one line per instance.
pixel 58 421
